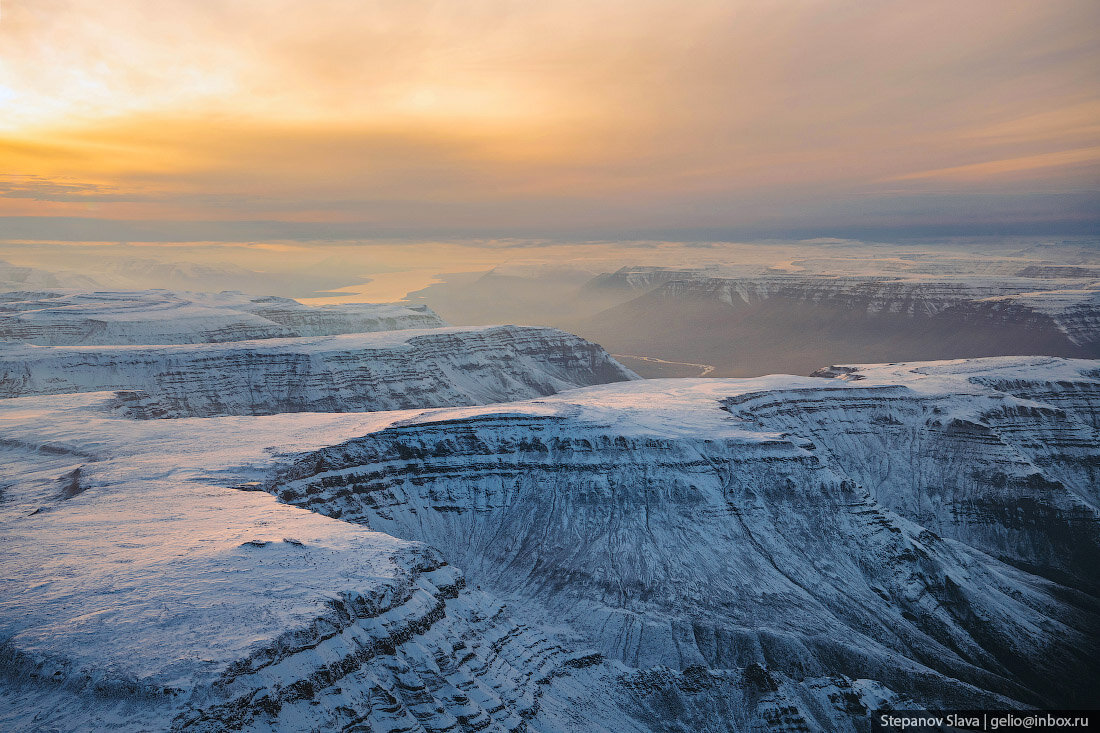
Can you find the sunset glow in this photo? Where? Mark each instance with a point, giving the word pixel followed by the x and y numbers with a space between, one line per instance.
pixel 357 118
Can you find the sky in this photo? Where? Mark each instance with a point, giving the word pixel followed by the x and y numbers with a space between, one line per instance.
pixel 342 120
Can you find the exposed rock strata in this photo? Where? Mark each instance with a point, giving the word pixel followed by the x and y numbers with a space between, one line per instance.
pixel 347 373
pixel 670 537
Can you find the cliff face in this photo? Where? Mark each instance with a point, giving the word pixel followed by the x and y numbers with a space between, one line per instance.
pixel 353 372
pixel 139 594
pixel 1012 470
pixel 796 322
pixel 730 524
pixel 70 317
pixel 422 655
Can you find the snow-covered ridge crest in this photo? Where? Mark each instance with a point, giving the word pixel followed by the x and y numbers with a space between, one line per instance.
pixel 74 317
pixel 345 373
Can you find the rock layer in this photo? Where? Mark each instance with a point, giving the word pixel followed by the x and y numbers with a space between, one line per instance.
pixel 784 553
pixel 69 317
pixel 347 373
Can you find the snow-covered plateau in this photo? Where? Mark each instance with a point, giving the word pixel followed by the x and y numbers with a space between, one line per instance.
pixel 731 554
pixel 54 317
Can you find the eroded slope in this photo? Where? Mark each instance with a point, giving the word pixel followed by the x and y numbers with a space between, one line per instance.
pixel 680 554
pixel 76 317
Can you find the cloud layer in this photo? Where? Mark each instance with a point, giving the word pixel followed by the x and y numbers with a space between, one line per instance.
pixel 565 118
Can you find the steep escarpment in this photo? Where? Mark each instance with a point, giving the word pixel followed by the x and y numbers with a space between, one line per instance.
pixel 73 317
pixel 692 554
pixel 1014 479
pixel 158 599
pixel 1075 312
pixel 696 525
pixel 354 372
pixel 794 323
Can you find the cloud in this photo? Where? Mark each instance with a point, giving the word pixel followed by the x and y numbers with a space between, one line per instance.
pixel 1002 168
pixel 493 114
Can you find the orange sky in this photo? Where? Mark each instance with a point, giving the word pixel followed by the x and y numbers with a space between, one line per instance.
pixel 350 118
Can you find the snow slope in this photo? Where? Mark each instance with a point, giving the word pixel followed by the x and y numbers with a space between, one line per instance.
pixel 349 372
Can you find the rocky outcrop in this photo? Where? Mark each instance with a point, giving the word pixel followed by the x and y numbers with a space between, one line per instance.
pixel 348 373
pixel 422 656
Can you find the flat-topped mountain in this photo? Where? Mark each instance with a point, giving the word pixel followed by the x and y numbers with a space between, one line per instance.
pixel 75 317
pixel 780 551
pixel 797 321
pixel 197 354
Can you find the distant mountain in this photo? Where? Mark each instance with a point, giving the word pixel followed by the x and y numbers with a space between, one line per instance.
pixel 137 272
pixel 95 268
pixel 794 322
